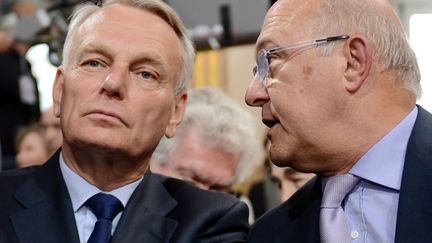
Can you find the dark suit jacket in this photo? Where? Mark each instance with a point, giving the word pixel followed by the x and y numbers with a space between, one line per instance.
pixel 35 207
pixel 297 220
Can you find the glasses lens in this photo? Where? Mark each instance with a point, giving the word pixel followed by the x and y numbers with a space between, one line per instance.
pixel 262 64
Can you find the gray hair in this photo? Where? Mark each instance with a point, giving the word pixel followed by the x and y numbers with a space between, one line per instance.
pixel 390 45
pixel 227 126
pixel 156 7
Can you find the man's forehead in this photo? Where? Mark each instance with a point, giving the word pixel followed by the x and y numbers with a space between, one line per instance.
pixel 287 21
pixel 95 18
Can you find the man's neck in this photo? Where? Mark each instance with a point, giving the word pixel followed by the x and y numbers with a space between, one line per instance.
pixel 105 171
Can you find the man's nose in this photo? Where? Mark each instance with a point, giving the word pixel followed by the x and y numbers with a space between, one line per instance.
pixel 115 83
pixel 256 94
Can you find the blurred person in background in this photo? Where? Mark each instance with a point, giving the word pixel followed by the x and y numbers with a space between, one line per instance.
pixel 19 96
pixel 275 186
pixel 52 130
pixel 288 180
pixel 216 145
pixel 264 193
pixel 31 147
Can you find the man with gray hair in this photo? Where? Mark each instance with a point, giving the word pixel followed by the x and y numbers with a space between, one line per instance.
pixel 337 83
pixel 121 87
pixel 216 145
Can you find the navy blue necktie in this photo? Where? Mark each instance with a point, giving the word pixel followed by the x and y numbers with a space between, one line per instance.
pixel 105 207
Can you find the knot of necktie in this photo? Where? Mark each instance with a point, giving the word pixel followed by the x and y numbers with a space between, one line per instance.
pixel 334 227
pixel 105 207
pixel 336 189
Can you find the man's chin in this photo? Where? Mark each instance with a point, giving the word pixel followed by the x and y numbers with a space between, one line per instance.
pixel 99 145
pixel 285 160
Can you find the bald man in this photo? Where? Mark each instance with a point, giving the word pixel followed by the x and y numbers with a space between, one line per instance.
pixel 337 83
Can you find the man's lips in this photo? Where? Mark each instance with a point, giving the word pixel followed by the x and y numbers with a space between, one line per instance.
pixel 107 114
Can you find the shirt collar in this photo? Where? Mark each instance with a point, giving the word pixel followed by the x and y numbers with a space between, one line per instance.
pixel 81 190
pixel 383 163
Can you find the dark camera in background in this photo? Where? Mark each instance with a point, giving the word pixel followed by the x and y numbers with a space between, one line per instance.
pixel 222 23
pixel 44 26
pixel 211 23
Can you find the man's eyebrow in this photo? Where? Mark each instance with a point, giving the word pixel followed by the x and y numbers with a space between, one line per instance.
pixel 148 58
pixel 263 44
pixel 140 57
pixel 260 45
pixel 94 49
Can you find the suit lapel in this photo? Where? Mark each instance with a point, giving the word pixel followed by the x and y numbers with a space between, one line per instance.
pixel 414 210
pixel 44 210
pixel 144 217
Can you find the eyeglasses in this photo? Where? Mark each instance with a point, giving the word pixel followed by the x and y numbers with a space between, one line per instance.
pixel 221 186
pixel 264 55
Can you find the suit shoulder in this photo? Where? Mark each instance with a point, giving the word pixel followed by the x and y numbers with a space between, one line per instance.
pixel 205 216
pixel 10 182
pixel 185 192
pixel 420 140
pixel 272 220
pixel 11 179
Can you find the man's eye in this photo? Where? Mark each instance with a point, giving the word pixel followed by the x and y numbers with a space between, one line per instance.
pixel 146 75
pixel 270 57
pixel 93 63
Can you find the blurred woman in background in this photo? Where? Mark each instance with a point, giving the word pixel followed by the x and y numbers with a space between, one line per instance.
pixel 31 147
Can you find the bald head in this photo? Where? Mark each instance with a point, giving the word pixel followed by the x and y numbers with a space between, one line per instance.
pixel 284 15
pixel 369 75
pixel 374 19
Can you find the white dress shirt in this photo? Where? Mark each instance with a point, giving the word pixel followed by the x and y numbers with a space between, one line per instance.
pixel 80 190
pixel 372 206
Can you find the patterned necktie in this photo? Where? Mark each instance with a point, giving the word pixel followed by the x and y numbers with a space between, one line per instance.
pixel 105 207
pixel 334 226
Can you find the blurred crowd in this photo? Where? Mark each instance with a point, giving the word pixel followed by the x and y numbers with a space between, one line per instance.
pixel 216 148
pixel 35 143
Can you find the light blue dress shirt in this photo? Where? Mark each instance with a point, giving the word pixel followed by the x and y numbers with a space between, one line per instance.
pixel 371 207
pixel 80 190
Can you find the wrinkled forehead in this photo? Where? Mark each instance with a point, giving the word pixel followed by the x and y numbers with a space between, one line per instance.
pixel 141 25
pixel 98 17
pixel 287 21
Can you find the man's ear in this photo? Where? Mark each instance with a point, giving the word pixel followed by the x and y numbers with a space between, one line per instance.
pixel 359 62
pixel 177 114
pixel 58 91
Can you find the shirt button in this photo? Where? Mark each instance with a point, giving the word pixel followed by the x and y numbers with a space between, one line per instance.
pixel 354 234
